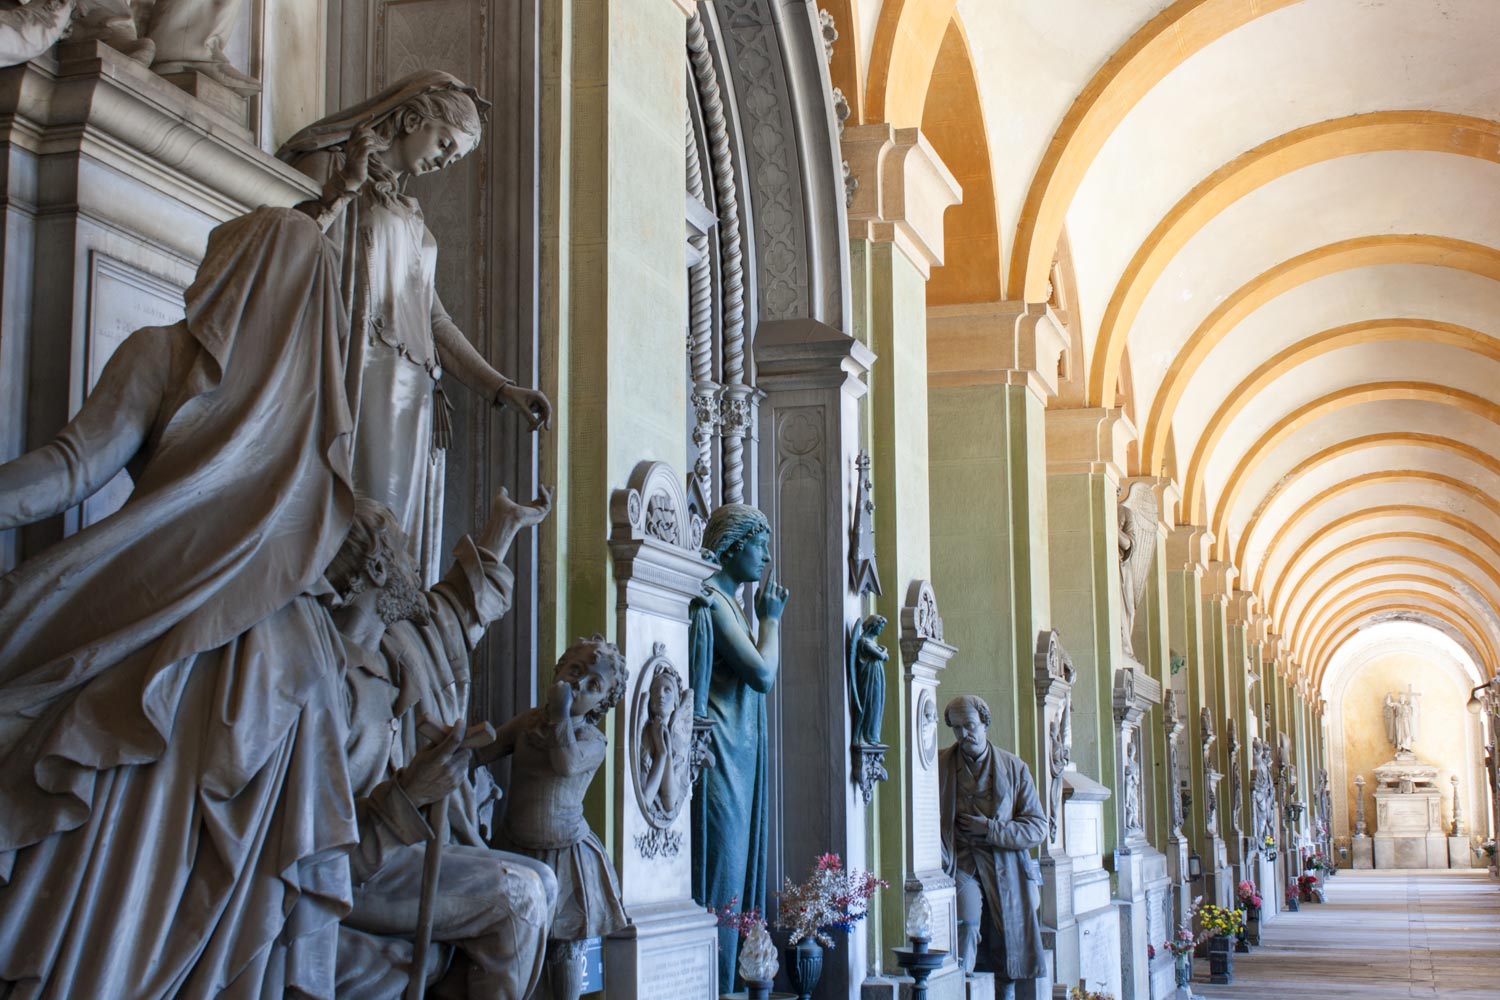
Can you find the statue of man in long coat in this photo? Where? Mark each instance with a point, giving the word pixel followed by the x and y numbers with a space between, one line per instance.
pixel 991 819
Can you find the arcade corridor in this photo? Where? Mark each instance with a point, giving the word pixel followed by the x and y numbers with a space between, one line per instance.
pixel 1381 935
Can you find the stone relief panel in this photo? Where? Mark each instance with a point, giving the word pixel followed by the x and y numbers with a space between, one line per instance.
pixel 122 298
pixel 661 752
pixel 765 105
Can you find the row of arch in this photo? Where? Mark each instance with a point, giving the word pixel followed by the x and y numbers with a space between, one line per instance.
pixel 1414 533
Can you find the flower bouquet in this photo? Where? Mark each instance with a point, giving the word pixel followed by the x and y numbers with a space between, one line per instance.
pixel 1248 896
pixel 1082 992
pixel 1182 946
pixel 833 898
pixel 1268 847
pixel 1307 888
pixel 1220 925
pixel 1292 895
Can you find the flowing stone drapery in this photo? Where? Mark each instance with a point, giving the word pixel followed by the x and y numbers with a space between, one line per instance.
pixel 185 641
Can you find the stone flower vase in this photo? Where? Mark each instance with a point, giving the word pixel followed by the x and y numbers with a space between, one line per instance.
pixel 1252 925
pixel 804 967
pixel 1221 960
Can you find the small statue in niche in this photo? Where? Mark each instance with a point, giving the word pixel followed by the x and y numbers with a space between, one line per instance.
pixel 665 746
pixel 1236 789
pixel 864 575
pixel 1059 754
pixel 558 747
pixel 732 669
pixel 1133 769
pixel 991 818
pixel 867 660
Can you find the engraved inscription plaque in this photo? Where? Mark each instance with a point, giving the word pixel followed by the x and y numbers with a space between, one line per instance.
pixel 122 299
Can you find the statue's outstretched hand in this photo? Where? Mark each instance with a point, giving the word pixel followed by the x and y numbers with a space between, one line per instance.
pixel 436 770
pixel 522 515
pixel 771 601
pixel 530 403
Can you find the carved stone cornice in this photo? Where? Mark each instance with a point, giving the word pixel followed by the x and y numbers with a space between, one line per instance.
pixel 1218 584
pixel 1092 440
pixel 1168 501
pixel 904 189
pixel 1187 549
pixel 995 343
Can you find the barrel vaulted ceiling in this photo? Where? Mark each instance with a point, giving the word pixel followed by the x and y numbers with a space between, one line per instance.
pixel 1283 221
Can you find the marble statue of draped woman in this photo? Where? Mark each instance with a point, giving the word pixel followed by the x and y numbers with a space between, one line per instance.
pixel 403 340
pixel 731 673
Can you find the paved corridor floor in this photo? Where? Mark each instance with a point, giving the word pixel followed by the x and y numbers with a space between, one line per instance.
pixel 1380 936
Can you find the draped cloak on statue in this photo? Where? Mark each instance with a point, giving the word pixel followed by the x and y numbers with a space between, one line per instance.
pixel 175 814
pixel 730 807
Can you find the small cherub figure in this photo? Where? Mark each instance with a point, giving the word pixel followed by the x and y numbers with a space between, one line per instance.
pixel 558 747
pixel 666 740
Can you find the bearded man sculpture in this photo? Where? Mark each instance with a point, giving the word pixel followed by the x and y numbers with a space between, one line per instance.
pixel 406 662
pixel 731 672
pixel 991 818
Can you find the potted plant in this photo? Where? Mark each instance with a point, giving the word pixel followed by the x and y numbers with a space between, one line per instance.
pixel 1248 896
pixel 1291 896
pixel 1082 992
pixel 833 898
pixel 1268 847
pixel 1307 888
pixel 1220 926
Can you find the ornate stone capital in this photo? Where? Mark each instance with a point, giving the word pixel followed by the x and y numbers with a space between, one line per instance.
pixel 903 190
pixel 1093 440
pixel 996 343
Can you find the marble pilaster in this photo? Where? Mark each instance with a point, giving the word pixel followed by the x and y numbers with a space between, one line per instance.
pixel 813 379
pixel 670 947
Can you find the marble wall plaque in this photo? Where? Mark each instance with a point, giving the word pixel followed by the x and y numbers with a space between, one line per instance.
pixel 683 974
pixel 122 299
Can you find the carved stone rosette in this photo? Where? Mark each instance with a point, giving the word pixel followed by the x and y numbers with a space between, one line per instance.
pixel 1055 675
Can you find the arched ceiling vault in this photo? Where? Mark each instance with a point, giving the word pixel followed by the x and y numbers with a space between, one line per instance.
pixel 1388 605
pixel 1387 612
pixel 1282 213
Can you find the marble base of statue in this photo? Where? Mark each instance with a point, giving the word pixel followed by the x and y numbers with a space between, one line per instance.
pixel 1409 830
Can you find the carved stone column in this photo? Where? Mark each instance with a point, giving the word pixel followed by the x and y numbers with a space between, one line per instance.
pixel 670 948
pixel 813 378
pixel 926 656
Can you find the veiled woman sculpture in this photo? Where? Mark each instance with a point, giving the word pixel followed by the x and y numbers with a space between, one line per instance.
pixel 402 339
pixel 731 673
